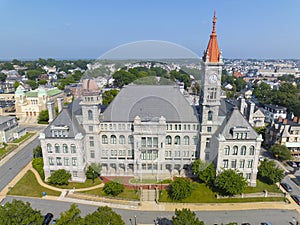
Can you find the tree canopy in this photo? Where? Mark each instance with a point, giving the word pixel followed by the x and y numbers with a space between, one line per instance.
pixel 269 173
pixel 103 216
pixel 185 216
pixel 59 177
pixel 113 188
pixel 205 171
pixel 108 96
pixel 180 188
pixel 17 212
pixel 43 117
pixel 229 182
pixel 281 152
pixel 70 217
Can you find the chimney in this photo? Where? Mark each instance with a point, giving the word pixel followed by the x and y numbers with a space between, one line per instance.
pixel 60 104
pixel 251 111
pixel 51 111
pixel 295 119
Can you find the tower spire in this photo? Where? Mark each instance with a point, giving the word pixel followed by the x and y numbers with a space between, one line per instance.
pixel 212 53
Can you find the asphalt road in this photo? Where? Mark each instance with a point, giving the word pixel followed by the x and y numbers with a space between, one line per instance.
pixel 254 217
pixel 16 163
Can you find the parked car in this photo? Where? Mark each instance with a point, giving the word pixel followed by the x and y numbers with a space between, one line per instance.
pixel 47 218
pixel 286 186
pixel 296 199
pixel 292 164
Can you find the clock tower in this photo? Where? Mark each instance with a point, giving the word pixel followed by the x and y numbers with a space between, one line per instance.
pixel 211 66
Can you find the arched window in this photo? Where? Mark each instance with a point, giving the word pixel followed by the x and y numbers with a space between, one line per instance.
pixel 104 139
pixel 130 139
pixel 168 140
pixel 177 140
pixel 243 150
pixel 186 140
pixel 90 115
pixel 226 150
pixel 251 152
pixel 65 148
pixel 122 139
pixel 113 139
pixel 73 148
pixel 56 146
pixel 49 148
pixel 209 115
pixel 235 150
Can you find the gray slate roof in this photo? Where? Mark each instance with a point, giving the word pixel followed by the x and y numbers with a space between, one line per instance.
pixel 65 118
pixel 150 102
pixel 236 120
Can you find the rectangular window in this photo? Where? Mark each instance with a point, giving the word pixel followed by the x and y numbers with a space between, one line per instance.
pixel 207 142
pixel 130 139
pixel 248 176
pixel 233 164
pixel 155 142
pixel 91 128
pixel 58 161
pixel 155 155
pixel 74 161
pixel 149 142
pixel 73 148
pixel 92 154
pixel 66 162
pixel 225 163
pixel 75 174
pixel 249 164
pixel 51 163
pixel 143 155
pixel 143 143
pixel 92 144
pixel 242 163
pixel 208 129
pixel 129 153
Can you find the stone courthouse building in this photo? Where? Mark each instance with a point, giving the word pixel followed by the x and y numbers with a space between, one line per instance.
pixel 153 131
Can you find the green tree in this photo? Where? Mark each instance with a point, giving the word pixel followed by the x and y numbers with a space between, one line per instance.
pixel 38 165
pixel 108 96
pixel 59 177
pixel 7 66
pixel 16 62
pixel 33 85
pixel 16 85
pixel 180 188
pixel 205 171
pixel 37 152
pixel 269 173
pixel 70 217
pixel 123 77
pixel 184 217
pixel 229 182
pixel 113 188
pixel 17 212
pixel 2 77
pixel 93 171
pixel 103 216
pixel 43 117
pixel 281 152
pixel 34 74
pixel 42 82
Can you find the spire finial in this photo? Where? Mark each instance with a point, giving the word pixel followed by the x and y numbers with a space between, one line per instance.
pixel 214 22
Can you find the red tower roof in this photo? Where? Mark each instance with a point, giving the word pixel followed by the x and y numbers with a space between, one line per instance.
pixel 212 53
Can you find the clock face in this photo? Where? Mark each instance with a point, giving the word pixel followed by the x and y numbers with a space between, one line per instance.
pixel 213 78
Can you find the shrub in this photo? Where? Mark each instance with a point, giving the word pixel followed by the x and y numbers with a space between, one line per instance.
pixel 38 165
pixel 59 177
pixel 180 189
pixel 113 188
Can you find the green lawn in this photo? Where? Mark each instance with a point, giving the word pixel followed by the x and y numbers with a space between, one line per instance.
pixel 28 186
pixel 86 184
pixel 203 194
pixel 7 149
pixel 25 137
pixel 127 194
pixel 260 187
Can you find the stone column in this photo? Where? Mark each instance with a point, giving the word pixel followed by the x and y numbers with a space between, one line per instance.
pixel 51 111
pixel 60 104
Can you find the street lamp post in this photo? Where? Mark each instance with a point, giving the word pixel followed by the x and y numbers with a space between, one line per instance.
pixel 93 176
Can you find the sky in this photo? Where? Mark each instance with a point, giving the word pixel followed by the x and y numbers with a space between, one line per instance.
pixel 69 29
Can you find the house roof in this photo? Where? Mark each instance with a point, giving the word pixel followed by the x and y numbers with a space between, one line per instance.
pixel 235 120
pixel 150 102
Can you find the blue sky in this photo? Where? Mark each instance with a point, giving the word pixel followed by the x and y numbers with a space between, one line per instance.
pixel 87 29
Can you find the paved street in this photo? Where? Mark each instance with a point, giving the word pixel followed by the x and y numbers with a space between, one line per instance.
pixel 14 165
pixel 277 217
